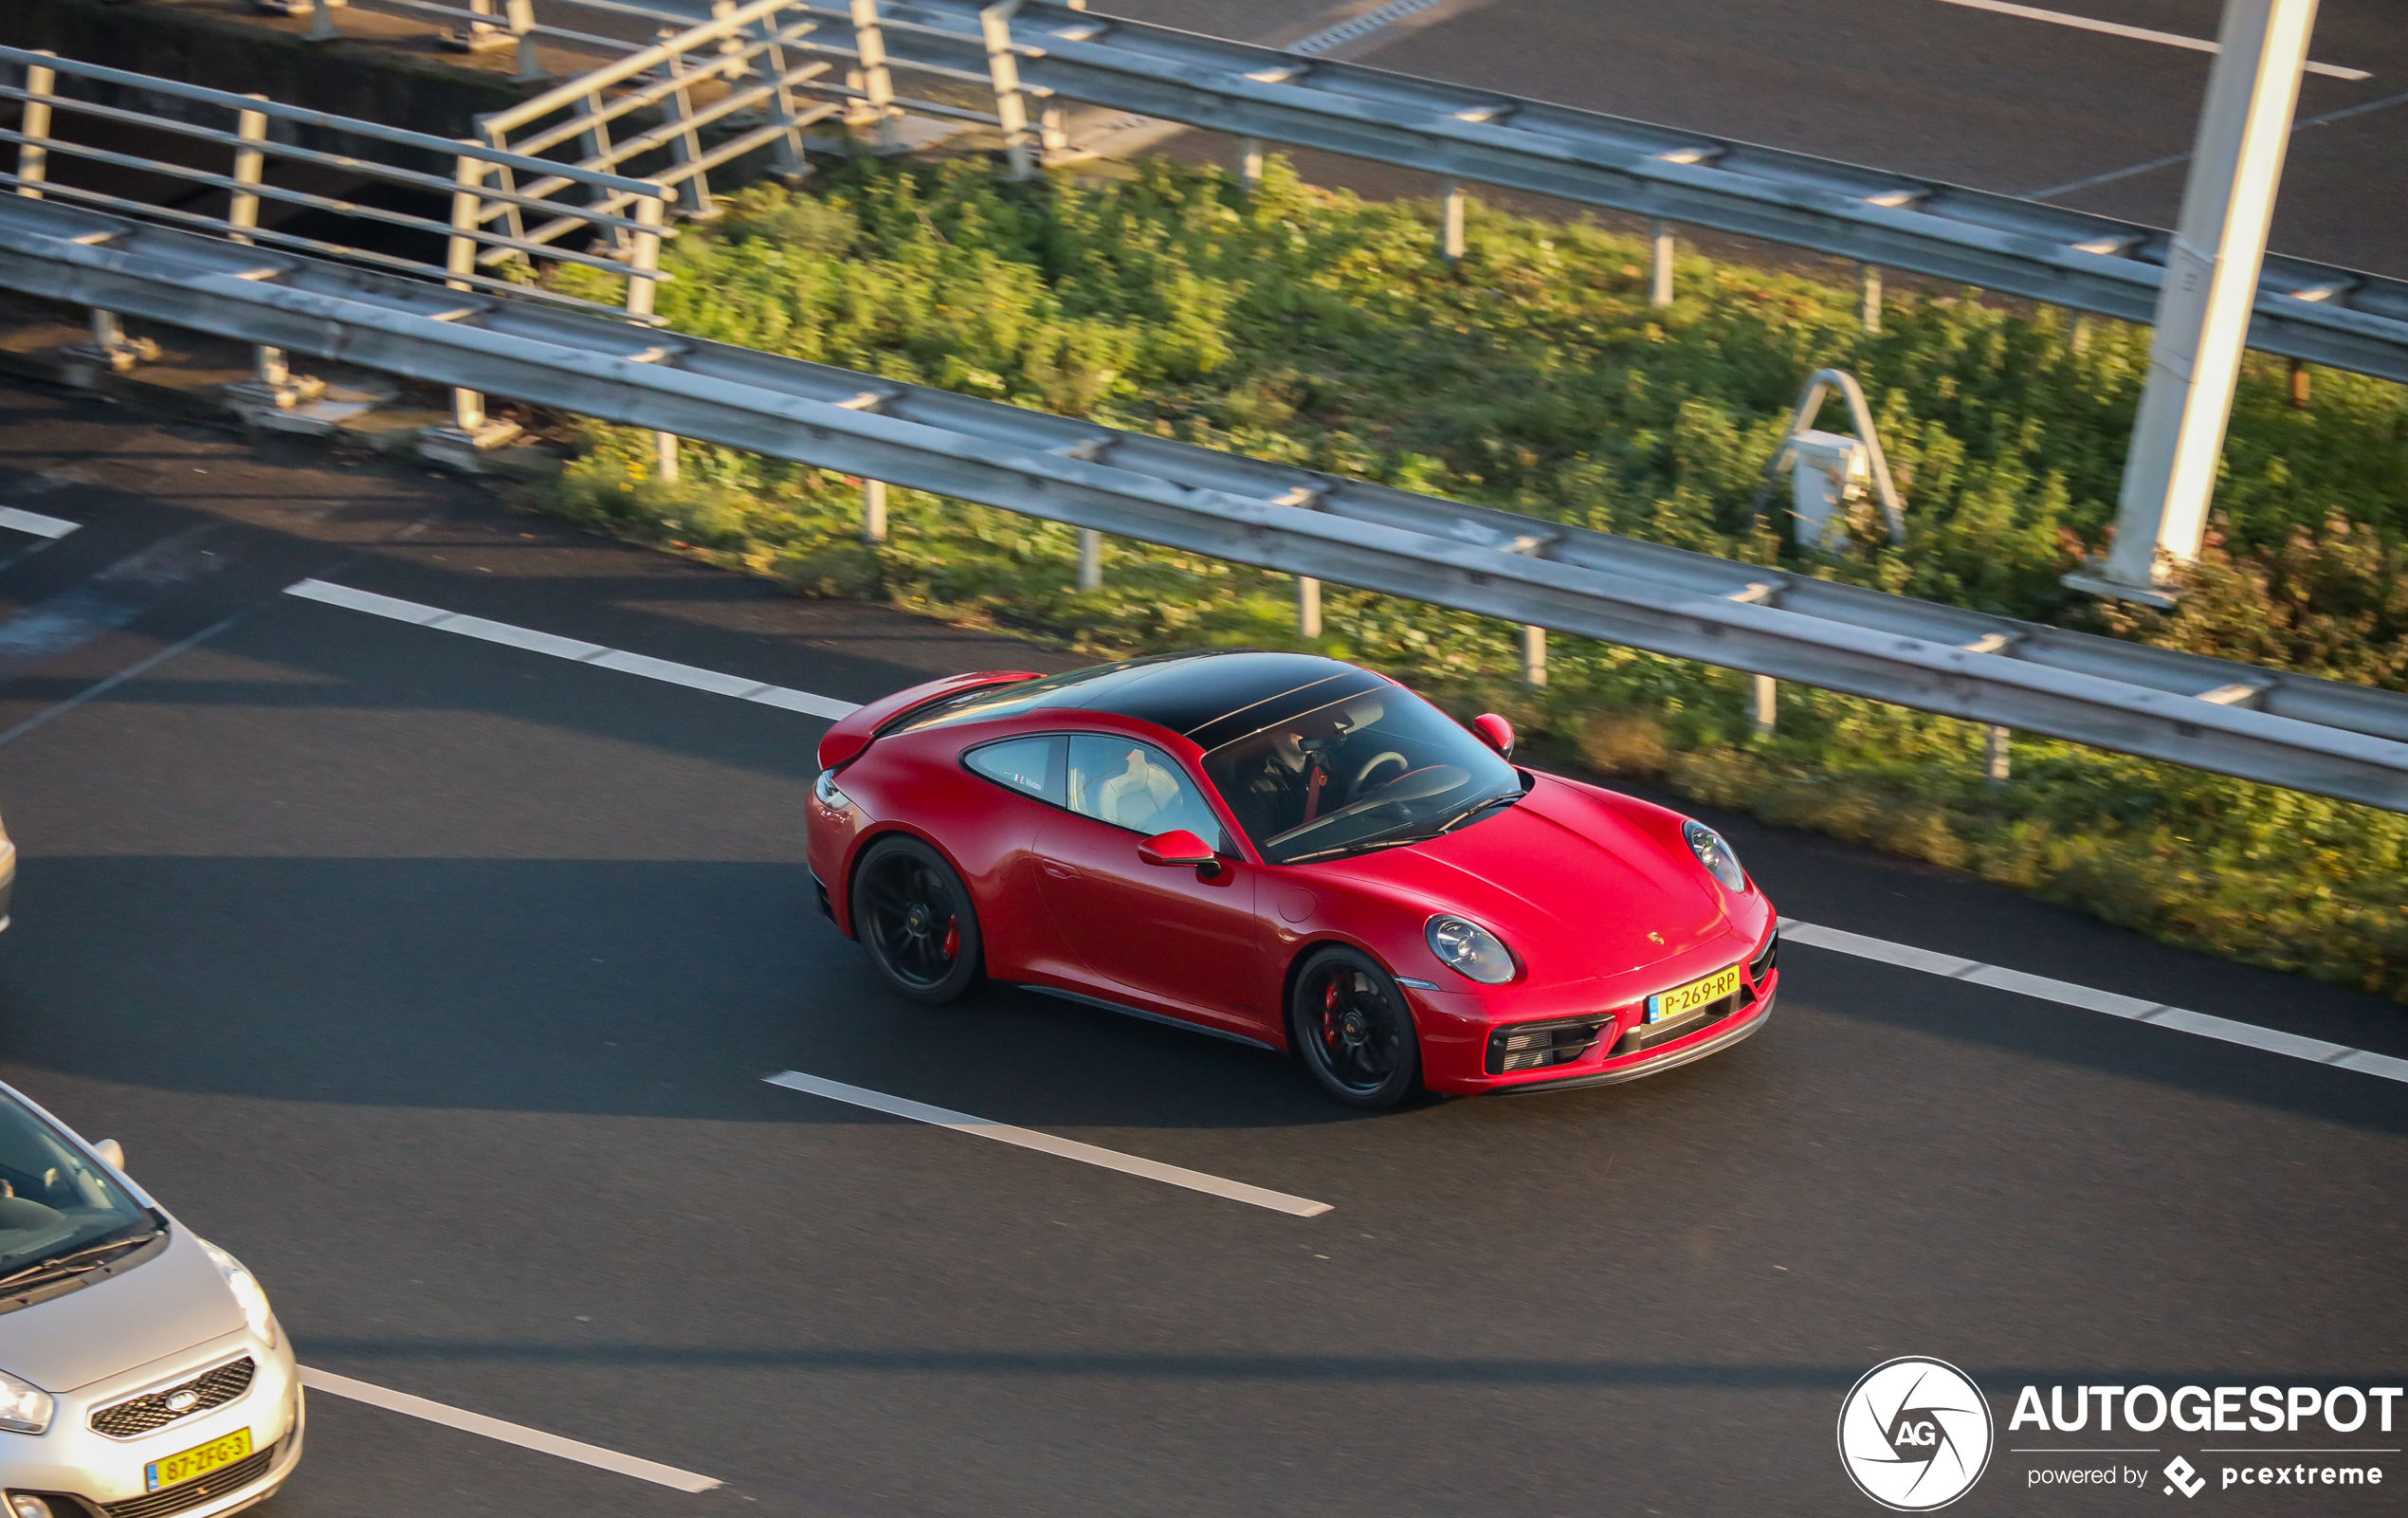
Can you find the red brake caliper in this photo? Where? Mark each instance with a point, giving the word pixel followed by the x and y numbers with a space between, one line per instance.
pixel 1329 1015
pixel 952 944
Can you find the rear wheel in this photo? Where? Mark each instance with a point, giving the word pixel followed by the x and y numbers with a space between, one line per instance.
pixel 1352 1029
pixel 914 916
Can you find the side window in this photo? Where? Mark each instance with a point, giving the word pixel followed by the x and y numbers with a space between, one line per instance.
pixel 1136 786
pixel 1029 765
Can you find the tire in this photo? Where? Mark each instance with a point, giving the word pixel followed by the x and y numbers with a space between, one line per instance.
pixel 1353 1029
pixel 913 914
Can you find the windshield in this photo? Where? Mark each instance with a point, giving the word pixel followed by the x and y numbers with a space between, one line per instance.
pixel 1378 768
pixel 53 1200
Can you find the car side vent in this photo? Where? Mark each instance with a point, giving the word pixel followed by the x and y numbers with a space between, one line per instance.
pixel 1538 1045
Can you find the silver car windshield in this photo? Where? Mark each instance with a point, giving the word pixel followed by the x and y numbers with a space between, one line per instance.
pixel 54 1200
pixel 1378 768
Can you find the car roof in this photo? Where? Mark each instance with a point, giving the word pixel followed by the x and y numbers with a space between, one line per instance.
pixel 1211 697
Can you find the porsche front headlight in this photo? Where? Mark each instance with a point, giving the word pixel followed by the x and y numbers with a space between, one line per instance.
pixel 25 1408
pixel 1715 855
pixel 1470 950
pixel 248 1294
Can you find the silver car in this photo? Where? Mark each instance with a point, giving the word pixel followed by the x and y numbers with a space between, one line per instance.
pixel 141 1371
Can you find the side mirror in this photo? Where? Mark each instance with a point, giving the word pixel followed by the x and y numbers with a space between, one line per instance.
pixel 1177 846
pixel 1496 731
pixel 113 1152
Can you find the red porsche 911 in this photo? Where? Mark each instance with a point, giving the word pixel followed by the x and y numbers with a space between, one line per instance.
pixel 1293 852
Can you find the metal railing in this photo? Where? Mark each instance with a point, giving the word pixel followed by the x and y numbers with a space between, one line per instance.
pixel 625 216
pixel 2320 735
pixel 754 58
pixel 2314 312
pixel 1051 51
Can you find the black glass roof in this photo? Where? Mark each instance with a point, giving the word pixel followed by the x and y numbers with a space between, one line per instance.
pixel 1212 697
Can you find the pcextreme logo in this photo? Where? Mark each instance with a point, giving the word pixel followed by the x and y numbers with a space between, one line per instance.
pixel 1915 1434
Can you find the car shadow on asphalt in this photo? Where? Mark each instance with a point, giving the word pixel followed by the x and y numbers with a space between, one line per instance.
pixel 669 987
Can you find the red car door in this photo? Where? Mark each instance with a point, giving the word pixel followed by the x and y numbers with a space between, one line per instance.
pixel 1184 942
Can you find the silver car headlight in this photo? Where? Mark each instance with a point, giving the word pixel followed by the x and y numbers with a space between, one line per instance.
pixel 1715 855
pixel 248 1294
pixel 824 789
pixel 25 1408
pixel 1470 950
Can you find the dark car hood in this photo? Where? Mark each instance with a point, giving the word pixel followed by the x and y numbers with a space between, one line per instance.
pixel 1558 868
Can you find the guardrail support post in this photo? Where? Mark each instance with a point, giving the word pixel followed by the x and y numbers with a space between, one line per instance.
pixel 1308 606
pixel 1090 560
pixel 1534 656
pixel 873 511
pixel 1765 699
pixel 877 84
pixel 1450 241
pixel 273 387
pixel 522 14
pixel 478 36
pixel 33 160
pixel 1250 164
pixel 111 348
pixel 1659 284
pixel 1003 73
pixel 685 148
pixel 2204 304
pixel 1996 763
pixel 1870 275
pixel 665 457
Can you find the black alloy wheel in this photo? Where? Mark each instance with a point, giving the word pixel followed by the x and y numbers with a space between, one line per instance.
pixel 1352 1029
pixel 913 915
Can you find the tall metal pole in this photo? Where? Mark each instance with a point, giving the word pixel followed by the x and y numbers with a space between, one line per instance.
pixel 2211 286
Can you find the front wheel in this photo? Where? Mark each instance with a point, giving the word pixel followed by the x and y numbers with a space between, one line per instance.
pixel 1352 1029
pixel 913 915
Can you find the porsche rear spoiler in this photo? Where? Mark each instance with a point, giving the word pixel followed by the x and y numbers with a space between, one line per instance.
pixel 842 743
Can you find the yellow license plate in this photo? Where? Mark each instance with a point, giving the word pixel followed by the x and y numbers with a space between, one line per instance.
pixel 197 1461
pixel 1682 1000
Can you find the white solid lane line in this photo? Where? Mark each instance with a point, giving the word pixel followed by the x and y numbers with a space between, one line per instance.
pixel 2199 45
pixel 2065 993
pixel 2273 1040
pixel 36 523
pixel 494 1427
pixel 1128 1165
pixel 574 649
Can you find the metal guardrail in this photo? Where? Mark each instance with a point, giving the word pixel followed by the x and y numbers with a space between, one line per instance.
pixel 250 144
pixel 1053 50
pixel 2319 736
pixel 2310 311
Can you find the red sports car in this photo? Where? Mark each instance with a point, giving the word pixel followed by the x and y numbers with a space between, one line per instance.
pixel 1293 852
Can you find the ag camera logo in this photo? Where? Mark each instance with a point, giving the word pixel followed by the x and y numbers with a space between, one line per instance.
pixel 1915 1434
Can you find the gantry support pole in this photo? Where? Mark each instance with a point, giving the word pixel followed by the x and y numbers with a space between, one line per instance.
pixel 2211 287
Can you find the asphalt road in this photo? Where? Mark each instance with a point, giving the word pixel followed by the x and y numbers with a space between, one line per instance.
pixel 1924 88
pixel 438 979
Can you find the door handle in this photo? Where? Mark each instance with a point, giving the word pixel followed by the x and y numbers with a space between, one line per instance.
pixel 1059 870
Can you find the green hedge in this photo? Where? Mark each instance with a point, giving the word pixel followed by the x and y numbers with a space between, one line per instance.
pixel 1311 328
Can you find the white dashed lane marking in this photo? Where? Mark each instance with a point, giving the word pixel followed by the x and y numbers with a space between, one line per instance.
pixel 494 1427
pixel 36 523
pixel 574 649
pixel 1128 1165
pixel 2114 28
pixel 2065 993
